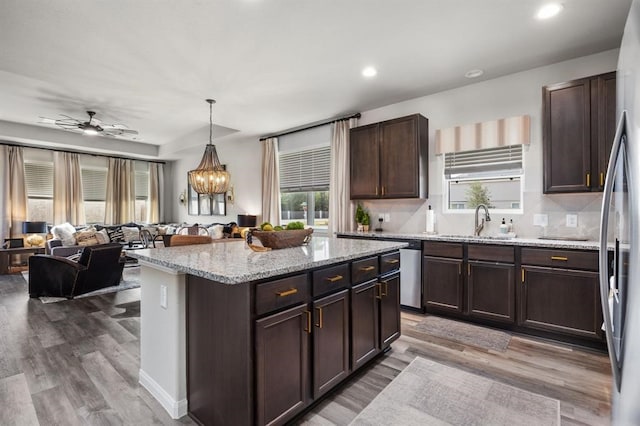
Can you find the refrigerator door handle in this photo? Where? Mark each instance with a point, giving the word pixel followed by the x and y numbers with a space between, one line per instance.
pixel 604 266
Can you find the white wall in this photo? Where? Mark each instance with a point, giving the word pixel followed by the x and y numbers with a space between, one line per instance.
pixel 243 158
pixel 515 94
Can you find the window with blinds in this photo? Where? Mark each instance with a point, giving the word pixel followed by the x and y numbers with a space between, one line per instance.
pixel 495 162
pixel 492 177
pixel 94 184
pixel 307 170
pixel 142 185
pixel 39 180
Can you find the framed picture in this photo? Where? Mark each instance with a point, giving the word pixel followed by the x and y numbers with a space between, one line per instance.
pixel 205 204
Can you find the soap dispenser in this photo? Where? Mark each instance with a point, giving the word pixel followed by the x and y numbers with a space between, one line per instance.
pixel 504 228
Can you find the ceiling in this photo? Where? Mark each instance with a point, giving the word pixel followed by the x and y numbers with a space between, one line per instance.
pixel 271 65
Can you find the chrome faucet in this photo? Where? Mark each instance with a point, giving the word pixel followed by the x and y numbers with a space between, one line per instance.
pixel 486 218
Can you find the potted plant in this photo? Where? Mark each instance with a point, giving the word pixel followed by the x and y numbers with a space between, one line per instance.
pixel 359 216
pixel 366 220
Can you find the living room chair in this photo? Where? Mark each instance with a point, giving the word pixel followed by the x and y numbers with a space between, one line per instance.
pixel 98 267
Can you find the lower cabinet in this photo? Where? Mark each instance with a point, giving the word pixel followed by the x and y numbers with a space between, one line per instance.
pixel 561 300
pixel 364 323
pixel 442 284
pixel 490 291
pixel 389 294
pixel 282 365
pixel 330 341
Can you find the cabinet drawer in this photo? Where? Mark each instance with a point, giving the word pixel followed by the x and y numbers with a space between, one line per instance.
pixel 389 262
pixel 442 249
pixel 491 253
pixel 329 279
pixel 274 295
pixel 364 269
pixel 561 258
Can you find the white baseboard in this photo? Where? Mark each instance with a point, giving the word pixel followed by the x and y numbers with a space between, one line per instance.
pixel 176 409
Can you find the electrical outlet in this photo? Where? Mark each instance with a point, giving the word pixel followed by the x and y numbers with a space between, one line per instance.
pixel 387 217
pixel 540 220
pixel 163 296
pixel 572 221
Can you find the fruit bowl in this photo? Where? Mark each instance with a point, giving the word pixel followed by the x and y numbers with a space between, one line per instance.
pixel 281 239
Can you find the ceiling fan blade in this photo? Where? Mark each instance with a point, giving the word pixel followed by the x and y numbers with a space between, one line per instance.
pixel 46 120
pixel 120 132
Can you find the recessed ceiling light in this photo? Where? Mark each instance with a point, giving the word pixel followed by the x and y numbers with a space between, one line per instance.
pixel 369 72
pixel 549 10
pixel 473 73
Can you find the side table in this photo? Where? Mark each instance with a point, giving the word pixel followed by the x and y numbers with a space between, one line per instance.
pixel 5 255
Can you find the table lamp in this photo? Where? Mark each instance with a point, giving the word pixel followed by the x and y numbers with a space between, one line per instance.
pixel 34 228
pixel 247 220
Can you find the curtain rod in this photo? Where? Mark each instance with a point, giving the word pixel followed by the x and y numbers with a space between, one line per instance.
pixel 79 152
pixel 312 126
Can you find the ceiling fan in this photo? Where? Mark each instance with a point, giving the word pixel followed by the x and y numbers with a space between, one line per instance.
pixel 93 126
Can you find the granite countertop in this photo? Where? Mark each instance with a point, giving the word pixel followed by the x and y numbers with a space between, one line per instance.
pixel 524 242
pixel 235 263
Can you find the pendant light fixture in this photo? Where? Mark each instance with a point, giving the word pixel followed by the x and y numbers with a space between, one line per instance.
pixel 210 177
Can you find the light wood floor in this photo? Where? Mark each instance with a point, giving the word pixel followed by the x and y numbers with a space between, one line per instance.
pixel 76 362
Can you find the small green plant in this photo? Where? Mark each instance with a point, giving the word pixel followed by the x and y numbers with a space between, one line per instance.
pixel 359 214
pixel 366 220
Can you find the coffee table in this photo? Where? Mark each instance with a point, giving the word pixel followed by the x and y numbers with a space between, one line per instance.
pixel 6 253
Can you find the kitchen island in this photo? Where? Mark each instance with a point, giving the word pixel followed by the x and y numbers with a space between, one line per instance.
pixel 233 336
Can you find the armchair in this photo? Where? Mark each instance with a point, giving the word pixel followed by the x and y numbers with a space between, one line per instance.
pixel 98 267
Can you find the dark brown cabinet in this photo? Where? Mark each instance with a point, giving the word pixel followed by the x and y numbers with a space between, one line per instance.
pixel 282 365
pixel 557 296
pixel 389 294
pixel 491 283
pixel 364 323
pixel 330 341
pixel 578 130
pixel 390 159
pixel 442 276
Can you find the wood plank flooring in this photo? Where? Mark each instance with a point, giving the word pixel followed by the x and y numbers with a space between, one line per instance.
pixel 76 363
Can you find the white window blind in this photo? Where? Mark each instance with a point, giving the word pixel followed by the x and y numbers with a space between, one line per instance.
pixel 307 170
pixel 494 162
pixel 142 185
pixel 39 179
pixel 94 184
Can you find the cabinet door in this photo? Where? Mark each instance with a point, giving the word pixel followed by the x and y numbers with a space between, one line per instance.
pixel 364 323
pixel 561 300
pixel 399 167
pixel 442 284
pixel 567 136
pixel 282 365
pixel 606 117
pixel 330 341
pixel 389 294
pixel 490 291
pixel 364 162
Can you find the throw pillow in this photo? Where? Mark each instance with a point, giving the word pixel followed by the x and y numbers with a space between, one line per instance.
pixel 102 236
pixel 131 233
pixel 64 232
pixel 86 237
pixel 115 234
pixel 215 231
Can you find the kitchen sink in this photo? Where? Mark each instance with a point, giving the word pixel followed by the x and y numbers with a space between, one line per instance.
pixel 477 237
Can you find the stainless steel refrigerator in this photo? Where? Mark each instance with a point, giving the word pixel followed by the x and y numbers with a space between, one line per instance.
pixel 620 233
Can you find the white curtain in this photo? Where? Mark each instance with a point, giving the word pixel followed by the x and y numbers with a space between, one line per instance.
pixel 121 192
pixel 68 202
pixel 155 212
pixel 270 182
pixel 13 192
pixel 341 210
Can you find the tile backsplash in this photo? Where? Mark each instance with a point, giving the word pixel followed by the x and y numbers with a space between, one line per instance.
pixel 410 216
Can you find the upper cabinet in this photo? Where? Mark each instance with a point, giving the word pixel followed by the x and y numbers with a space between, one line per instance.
pixel 390 159
pixel 579 126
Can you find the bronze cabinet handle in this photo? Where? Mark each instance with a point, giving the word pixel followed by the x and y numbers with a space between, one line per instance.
pixel 286 292
pixel 588 180
pixel 469 269
pixel 563 258
pixel 379 287
pixel 386 288
pixel 308 329
pixel 367 268
pixel 319 324
pixel 392 261
pixel 601 179
pixel 334 279
pixel 522 275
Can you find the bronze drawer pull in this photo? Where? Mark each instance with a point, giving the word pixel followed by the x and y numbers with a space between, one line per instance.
pixel 287 292
pixel 564 259
pixel 392 261
pixel 308 329
pixel 601 179
pixel 522 275
pixel 367 268
pixel 334 279
pixel 319 325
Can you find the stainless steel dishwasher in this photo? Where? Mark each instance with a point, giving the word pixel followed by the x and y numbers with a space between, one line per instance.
pixel 411 275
